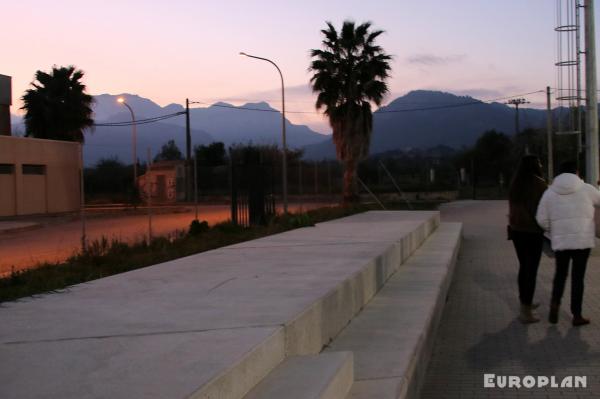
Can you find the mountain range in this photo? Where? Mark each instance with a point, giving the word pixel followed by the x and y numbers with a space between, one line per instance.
pixel 419 119
pixel 423 119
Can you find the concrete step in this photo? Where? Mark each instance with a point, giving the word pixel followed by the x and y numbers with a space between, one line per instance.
pixel 325 376
pixel 392 338
pixel 207 326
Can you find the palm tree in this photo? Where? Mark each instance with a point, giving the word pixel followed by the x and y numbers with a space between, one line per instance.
pixel 349 73
pixel 57 107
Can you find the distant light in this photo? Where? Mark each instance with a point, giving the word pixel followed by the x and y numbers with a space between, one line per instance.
pixel 120 100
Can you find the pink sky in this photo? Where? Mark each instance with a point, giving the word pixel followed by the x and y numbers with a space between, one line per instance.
pixel 170 50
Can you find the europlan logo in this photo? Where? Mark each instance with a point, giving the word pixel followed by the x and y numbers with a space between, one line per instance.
pixel 533 382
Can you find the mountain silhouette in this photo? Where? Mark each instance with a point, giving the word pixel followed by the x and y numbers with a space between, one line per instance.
pixel 423 119
pixel 256 123
pixel 420 119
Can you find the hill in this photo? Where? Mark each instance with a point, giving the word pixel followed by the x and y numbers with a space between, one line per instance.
pixel 424 119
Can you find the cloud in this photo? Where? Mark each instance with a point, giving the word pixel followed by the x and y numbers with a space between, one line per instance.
pixel 435 60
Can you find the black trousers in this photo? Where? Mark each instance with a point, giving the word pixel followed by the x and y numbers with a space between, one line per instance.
pixel 529 251
pixel 580 258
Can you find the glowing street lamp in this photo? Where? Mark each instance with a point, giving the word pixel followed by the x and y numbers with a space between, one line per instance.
pixel 283 141
pixel 121 100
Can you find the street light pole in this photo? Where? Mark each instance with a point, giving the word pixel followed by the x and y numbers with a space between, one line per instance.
pixel 283 138
pixel 121 100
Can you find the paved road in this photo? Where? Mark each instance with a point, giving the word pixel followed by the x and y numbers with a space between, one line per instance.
pixel 57 241
pixel 479 332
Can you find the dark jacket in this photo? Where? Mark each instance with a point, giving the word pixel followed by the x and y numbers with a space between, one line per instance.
pixel 521 214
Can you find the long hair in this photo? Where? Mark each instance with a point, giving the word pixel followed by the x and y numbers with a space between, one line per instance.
pixel 528 170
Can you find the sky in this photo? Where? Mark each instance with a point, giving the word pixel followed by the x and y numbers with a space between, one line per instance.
pixel 172 50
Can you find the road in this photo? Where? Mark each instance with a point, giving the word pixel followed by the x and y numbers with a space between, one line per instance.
pixel 57 241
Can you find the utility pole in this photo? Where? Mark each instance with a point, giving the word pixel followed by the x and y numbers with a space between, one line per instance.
pixel 516 102
pixel 591 97
pixel 188 152
pixel 549 136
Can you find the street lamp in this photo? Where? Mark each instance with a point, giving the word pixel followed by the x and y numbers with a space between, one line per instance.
pixel 284 145
pixel 121 100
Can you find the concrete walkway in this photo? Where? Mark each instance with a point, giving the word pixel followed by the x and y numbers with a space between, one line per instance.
pixel 479 332
pixel 211 325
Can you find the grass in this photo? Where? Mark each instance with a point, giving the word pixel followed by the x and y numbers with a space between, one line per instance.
pixel 105 258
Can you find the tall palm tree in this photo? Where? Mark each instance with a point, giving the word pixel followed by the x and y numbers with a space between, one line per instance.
pixel 57 107
pixel 349 74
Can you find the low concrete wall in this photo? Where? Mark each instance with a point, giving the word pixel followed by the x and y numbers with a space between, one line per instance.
pixel 319 324
pixel 38 176
pixel 392 338
pixel 211 325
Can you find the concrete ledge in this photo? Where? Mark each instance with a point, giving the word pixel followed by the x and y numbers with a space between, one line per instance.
pixel 211 325
pixel 315 327
pixel 324 376
pixel 393 337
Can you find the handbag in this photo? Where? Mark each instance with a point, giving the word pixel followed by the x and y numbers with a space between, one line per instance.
pixel 547 247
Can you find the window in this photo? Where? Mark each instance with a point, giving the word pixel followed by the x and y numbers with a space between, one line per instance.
pixel 7 169
pixel 34 169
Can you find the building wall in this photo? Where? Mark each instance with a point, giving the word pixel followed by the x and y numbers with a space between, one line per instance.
pixel 164 182
pixel 38 176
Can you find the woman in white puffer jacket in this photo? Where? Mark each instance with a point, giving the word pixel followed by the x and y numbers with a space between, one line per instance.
pixel 566 212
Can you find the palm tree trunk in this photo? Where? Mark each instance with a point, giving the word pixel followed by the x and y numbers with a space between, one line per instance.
pixel 350 186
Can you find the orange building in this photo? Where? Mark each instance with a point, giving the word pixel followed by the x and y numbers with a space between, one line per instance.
pixel 165 182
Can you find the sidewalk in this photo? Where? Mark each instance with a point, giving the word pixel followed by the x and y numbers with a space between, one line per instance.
pixel 479 333
pixel 14 227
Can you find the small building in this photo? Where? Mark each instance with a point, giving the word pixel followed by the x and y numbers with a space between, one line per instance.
pixel 38 176
pixel 5 103
pixel 165 181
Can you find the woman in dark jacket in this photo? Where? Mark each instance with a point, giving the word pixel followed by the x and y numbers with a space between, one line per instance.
pixel 524 196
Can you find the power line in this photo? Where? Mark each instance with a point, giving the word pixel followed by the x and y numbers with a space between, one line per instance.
pixel 379 111
pixel 168 116
pixel 141 121
pixel 252 109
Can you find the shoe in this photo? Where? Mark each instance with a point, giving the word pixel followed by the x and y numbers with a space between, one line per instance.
pixel 553 316
pixel 526 316
pixel 580 321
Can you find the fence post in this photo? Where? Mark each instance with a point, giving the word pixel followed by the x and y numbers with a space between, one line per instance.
pixel 149 191
pixel 82 200
pixel 316 178
pixel 196 185
pixel 234 215
pixel 329 176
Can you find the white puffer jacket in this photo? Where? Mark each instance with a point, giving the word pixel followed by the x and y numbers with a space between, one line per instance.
pixel 566 211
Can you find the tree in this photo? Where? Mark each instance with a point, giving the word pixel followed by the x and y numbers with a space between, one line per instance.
pixel 349 73
pixel 213 154
pixel 493 156
pixel 169 152
pixel 57 107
